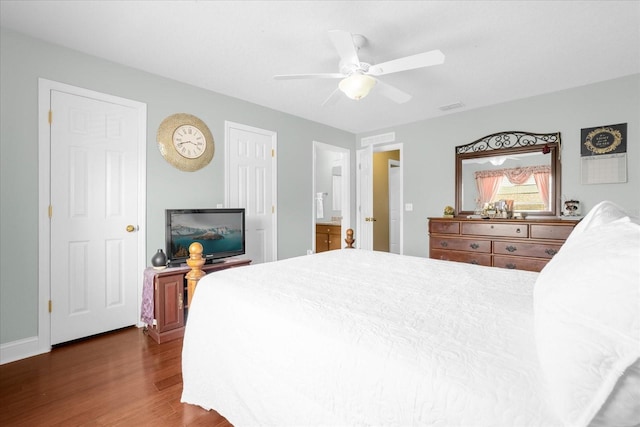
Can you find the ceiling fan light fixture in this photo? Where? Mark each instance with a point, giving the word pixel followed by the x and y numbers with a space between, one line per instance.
pixel 357 85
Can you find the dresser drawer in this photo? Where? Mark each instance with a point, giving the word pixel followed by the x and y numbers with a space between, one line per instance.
pixel 538 250
pixel 556 232
pixel 496 229
pixel 468 257
pixel 444 227
pixel 452 243
pixel 519 263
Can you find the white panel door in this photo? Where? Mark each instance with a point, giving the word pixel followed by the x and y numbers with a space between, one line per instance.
pixel 251 184
pixel 395 211
pixel 94 198
pixel 364 182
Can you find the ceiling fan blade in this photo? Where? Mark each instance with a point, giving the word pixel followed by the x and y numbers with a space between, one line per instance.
pixel 309 76
pixel 343 41
pixel 333 98
pixel 426 59
pixel 392 92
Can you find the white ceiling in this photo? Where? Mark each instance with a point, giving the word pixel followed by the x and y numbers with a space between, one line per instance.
pixel 496 51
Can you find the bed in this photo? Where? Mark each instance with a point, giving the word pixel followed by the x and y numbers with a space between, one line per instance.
pixel 353 337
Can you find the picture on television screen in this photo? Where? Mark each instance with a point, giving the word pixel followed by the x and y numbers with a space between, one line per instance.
pixel 218 233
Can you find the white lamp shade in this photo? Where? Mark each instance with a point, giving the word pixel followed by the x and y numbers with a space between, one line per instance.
pixel 357 86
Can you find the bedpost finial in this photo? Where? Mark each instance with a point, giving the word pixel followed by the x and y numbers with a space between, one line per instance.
pixel 195 250
pixel 195 261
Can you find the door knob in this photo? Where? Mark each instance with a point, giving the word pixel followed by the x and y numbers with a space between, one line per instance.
pixel 131 228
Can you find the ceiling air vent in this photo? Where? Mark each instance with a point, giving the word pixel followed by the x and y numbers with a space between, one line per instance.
pixel 452 106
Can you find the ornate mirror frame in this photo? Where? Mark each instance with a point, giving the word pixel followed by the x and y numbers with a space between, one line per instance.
pixel 512 143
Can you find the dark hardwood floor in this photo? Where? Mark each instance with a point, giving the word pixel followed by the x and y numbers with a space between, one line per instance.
pixel 121 378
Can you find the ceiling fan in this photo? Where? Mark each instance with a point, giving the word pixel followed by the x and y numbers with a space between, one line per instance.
pixel 358 78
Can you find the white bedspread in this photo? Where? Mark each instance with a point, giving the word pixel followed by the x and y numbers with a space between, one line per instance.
pixel 355 337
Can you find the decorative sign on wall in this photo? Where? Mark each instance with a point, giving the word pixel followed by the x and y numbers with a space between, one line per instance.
pixel 604 154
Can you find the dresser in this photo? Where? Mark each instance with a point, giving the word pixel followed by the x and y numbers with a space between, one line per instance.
pixel 517 244
pixel 328 237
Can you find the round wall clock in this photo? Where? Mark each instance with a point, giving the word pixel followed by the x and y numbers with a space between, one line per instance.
pixel 185 142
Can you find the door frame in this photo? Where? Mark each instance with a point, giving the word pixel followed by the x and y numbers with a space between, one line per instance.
pixel 390 165
pixel 274 174
pixel 376 148
pixel 346 188
pixel 44 196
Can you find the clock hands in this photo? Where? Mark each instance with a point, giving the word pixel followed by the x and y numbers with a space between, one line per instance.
pixel 187 142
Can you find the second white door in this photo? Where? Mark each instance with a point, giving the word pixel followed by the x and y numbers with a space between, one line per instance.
pixel 250 183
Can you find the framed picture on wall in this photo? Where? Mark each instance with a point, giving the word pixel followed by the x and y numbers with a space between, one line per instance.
pixel 603 151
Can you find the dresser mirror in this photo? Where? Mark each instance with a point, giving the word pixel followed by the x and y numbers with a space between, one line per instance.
pixel 520 170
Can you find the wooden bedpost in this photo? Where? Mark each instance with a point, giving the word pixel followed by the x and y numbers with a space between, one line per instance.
pixel 195 261
pixel 349 240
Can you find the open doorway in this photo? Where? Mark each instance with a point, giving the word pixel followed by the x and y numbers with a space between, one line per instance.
pixel 380 198
pixel 386 189
pixel 331 196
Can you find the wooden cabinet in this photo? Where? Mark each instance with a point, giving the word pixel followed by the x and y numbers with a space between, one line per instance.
pixel 170 297
pixel 517 244
pixel 328 237
pixel 169 305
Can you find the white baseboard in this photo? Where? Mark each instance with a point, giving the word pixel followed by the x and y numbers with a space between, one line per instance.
pixel 21 349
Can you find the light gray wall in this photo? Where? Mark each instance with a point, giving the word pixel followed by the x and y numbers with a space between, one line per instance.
pixel 23 60
pixel 428 155
pixel 429 165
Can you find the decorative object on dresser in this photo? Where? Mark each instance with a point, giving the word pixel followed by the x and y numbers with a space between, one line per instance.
pixel 159 260
pixel 509 173
pixel 328 237
pixel 571 208
pixel 448 212
pixel 515 244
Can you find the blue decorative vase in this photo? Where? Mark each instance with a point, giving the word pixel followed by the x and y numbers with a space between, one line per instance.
pixel 159 260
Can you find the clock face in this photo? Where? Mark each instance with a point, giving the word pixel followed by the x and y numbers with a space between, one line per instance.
pixel 189 142
pixel 185 142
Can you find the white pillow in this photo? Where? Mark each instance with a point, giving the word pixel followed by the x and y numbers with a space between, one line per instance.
pixel 587 318
pixel 602 213
pixel 622 408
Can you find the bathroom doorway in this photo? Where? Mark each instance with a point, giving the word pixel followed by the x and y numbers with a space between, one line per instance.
pixel 331 196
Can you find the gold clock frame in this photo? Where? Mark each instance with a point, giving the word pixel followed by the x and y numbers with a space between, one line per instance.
pixel 168 150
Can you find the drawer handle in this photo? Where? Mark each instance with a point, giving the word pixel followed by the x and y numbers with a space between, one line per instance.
pixel 511 266
pixel 550 251
pixel 474 246
pixel 517 230
pixel 473 261
pixel 511 248
pixel 444 244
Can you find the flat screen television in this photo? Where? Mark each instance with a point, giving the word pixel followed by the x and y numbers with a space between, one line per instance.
pixel 220 231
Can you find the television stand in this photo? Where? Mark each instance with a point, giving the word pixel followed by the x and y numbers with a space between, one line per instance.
pixel 164 298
